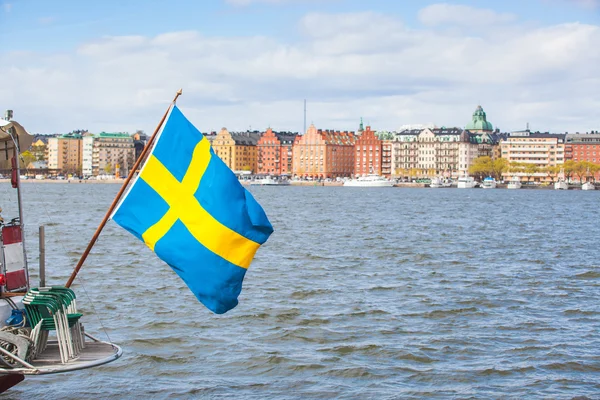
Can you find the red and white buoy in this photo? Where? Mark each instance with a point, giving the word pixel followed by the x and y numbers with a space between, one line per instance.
pixel 14 274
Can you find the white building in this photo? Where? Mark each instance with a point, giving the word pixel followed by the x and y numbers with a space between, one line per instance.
pixel 52 153
pixel 87 154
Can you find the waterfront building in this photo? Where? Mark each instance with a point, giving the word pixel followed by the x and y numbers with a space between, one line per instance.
pixel 369 153
pixel 210 136
pixel 237 150
pixel 361 128
pixel 405 153
pixel 324 154
pixel 224 147
pixel 582 147
pixel 38 150
pixel 37 168
pixel 386 158
pixel 274 152
pixel 430 152
pixel 139 142
pixel 479 122
pixel 387 141
pixel 427 151
pixel 64 154
pixel 87 155
pixel 112 154
pixel 539 151
pixel 485 144
pixel 467 153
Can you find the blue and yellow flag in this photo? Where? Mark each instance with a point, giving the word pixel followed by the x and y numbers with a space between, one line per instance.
pixel 192 211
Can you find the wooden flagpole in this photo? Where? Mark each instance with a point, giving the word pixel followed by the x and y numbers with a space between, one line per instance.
pixel 118 196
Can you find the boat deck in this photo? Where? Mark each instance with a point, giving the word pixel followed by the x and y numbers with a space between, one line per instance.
pixel 95 353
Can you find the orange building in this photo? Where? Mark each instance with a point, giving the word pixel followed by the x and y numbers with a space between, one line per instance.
pixel 274 150
pixel 65 154
pixel 583 147
pixel 369 153
pixel 323 154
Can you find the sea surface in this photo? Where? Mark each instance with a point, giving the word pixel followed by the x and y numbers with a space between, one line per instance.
pixel 361 293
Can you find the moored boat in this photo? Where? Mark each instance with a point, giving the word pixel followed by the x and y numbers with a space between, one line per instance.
pixel 439 182
pixel 515 183
pixel 466 182
pixel 588 186
pixel 270 181
pixel 213 246
pixel 41 329
pixel 489 183
pixel 561 185
pixel 371 180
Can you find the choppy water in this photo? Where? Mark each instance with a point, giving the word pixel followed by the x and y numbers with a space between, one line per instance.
pixel 359 294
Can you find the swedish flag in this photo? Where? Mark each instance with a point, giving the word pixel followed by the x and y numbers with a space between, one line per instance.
pixel 191 210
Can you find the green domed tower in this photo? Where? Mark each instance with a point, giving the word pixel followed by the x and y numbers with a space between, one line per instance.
pixel 479 123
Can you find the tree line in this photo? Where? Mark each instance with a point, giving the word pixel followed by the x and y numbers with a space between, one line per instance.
pixel 485 166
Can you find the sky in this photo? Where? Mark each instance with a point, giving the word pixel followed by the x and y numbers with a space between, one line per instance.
pixel 115 66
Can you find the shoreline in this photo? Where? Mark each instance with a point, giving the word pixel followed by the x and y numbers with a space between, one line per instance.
pixel 78 181
pixel 247 183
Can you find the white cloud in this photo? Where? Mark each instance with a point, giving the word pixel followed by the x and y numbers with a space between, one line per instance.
pixel 345 65
pixel 443 13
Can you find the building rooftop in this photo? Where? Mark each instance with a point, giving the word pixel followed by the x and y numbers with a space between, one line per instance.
pixel 582 137
pixel 245 138
pixel 70 136
pixel 536 135
pixel 113 135
pixel 479 121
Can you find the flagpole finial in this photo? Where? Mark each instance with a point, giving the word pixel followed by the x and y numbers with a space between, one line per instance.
pixel 179 93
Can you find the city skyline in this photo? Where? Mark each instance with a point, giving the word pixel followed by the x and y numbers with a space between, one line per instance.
pixel 252 63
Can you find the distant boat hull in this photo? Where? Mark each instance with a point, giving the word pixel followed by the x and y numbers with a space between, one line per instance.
pixel 561 185
pixel 515 183
pixel 438 183
pixel 588 186
pixel 489 183
pixel 369 181
pixel 466 183
pixel 270 182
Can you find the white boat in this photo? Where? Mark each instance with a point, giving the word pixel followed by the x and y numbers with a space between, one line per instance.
pixel 515 183
pixel 440 183
pixel 371 180
pixel 588 186
pixel 466 182
pixel 270 181
pixel 489 183
pixel 561 185
pixel 41 329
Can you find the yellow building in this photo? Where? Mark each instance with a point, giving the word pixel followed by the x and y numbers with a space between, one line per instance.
pixel 38 150
pixel 238 150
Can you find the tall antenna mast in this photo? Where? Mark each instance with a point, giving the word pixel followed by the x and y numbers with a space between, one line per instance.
pixel 304 131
